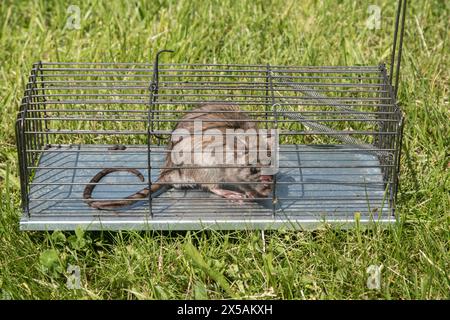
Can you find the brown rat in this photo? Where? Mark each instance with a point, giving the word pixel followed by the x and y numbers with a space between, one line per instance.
pixel 247 181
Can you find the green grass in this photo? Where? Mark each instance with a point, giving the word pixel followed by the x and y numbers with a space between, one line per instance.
pixel 325 264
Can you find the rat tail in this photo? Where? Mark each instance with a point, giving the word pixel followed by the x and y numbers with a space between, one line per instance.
pixel 117 204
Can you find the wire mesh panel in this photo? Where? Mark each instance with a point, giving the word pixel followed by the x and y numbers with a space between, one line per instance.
pixel 339 136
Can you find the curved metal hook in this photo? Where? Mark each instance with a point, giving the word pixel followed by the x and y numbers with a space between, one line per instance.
pixel 154 84
pixel 156 67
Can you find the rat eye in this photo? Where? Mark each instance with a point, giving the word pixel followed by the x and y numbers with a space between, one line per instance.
pixel 253 170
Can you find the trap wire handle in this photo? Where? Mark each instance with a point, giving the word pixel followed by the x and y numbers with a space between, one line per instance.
pixel 396 57
pixel 154 89
pixel 155 79
pixel 153 95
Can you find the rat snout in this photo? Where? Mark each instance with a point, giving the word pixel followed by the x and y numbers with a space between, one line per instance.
pixel 261 189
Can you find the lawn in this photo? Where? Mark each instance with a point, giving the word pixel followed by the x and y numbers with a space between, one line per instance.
pixel 325 264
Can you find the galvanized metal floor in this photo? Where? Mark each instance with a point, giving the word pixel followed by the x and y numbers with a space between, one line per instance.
pixel 316 184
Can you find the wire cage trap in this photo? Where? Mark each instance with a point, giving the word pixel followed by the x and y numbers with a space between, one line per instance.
pixel 339 129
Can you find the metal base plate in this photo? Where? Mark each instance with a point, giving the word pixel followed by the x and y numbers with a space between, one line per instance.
pixel 316 184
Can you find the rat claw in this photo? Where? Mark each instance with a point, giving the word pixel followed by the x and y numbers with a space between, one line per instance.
pixel 251 195
pixel 233 196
